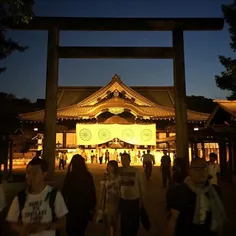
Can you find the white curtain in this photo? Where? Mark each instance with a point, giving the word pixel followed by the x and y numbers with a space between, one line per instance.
pixel 92 134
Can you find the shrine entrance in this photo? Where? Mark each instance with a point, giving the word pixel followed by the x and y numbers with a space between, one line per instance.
pixel 177 25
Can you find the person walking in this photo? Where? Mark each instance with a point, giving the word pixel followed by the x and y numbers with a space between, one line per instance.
pixel 92 156
pixel 38 210
pixel 213 169
pixel 115 155
pixel 110 198
pixel 132 193
pixel 195 207
pixel 107 156
pixel 165 168
pixel 65 158
pixel 61 161
pixel 148 161
pixel 79 193
pixel 100 155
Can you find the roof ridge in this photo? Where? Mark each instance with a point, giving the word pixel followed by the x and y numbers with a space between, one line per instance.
pixel 116 79
pixel 224 101
pixel 101 86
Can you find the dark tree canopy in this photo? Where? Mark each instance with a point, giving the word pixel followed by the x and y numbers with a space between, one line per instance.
pixel 18 11
pixel 11 107
pixel 227 79
pixel 200 104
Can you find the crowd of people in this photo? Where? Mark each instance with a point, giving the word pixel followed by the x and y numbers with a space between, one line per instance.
pixel 102 155
pixel 193 198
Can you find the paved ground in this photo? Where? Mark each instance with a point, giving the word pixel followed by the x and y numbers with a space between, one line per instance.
pixel 154 201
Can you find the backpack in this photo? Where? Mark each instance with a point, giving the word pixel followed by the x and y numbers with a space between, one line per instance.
pixel 51 197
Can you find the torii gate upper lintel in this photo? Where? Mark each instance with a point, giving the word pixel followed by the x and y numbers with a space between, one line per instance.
pixel 176 52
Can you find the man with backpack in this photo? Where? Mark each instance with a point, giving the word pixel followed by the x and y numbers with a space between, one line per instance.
pixel 40 209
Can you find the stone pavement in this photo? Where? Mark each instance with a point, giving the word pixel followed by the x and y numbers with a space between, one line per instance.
pixel 154 201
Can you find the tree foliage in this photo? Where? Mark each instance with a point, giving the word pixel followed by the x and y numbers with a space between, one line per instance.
pixel 14 11
pixel 200 104
pixel 227 79
pixel 11 107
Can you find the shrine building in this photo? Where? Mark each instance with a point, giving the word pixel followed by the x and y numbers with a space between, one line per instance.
pixel 116 116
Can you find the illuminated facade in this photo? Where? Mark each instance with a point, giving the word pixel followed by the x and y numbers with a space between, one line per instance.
pixel 116 116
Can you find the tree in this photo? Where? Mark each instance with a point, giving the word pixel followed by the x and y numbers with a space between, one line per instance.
pixel 227 79
pixel 200 104
pixel 14 11
pixel 11 107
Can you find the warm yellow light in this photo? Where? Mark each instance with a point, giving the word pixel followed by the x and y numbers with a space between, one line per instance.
pixel 116 110
pixel 136 134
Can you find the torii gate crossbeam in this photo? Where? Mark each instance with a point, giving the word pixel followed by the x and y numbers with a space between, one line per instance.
pixel 177 25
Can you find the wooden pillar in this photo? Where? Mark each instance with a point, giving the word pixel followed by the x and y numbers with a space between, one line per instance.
pixel 10 159
pixel 180 95
pixel 195 149
pixel 50 118
pixel 203 151
pixel 135 154
pixel 168 143
pixel 223 156
pixel 192 151
pixel 234 156
pixel 64 139
pixel 230 163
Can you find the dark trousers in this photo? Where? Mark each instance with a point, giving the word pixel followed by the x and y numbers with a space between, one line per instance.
pixel 148 169
pixel 129 217
pixel 75 226
pixel 62 163
pixel 107 160
pixel 100 160
pixel 165 175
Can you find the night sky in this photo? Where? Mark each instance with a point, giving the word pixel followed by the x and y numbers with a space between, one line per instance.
pixel 26 73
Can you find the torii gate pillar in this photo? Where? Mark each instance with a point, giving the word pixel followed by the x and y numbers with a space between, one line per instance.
pixel 50 117
pixel 180 95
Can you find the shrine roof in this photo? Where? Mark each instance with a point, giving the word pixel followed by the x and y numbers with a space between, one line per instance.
pixel 89 102
pixel 88 95
pixel 228 106
pixel 84 112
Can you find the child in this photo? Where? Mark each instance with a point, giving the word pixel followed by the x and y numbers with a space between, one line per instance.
pixel 109 197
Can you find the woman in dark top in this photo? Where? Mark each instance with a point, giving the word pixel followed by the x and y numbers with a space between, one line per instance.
pixel 80 196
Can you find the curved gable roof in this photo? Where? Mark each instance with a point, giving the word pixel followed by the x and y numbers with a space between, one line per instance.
pixel 80 112
pixel 87 95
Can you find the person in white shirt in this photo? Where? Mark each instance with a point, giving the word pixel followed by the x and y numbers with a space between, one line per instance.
pixel 213 169
pixel 148 161
pixel 92 156
pixel 33 216
pixel 131 194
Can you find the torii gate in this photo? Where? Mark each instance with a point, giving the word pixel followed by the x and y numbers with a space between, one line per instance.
pixel 177 25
